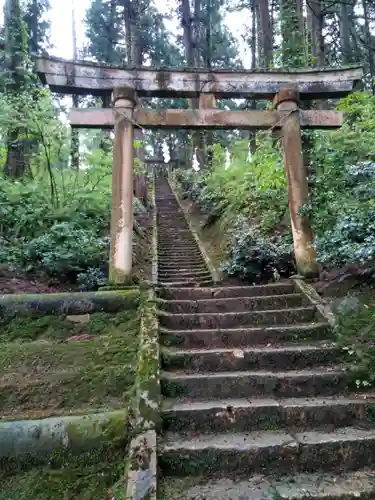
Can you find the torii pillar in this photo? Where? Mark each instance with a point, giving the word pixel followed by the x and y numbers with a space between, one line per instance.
pixel 298 191
pixel 120 269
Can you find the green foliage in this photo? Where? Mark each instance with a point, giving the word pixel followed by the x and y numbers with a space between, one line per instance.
pixel 342 205
pixel 91 279
pixel 256 258
pixel 44 134
pixel 59 240
pixel 38 25
pixel 252 194
pixel 103 25
pixel 342 194
pixel 355 333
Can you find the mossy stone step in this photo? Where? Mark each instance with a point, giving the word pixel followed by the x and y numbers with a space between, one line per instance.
pixel 229 292
pixel 342 450
pixel 175 268
pixel 250 358
pixel 245 415
pixel 320 381
pixel 234 319
pixel 236 304
pixel 172 278
pixel 358 485
pixel 187 283
pixel 244 337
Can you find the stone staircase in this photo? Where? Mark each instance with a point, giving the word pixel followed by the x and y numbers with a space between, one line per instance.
pixel 256 400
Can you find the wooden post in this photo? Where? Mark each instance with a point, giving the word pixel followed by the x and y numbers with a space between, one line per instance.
pixel 287 100
pixel 124 100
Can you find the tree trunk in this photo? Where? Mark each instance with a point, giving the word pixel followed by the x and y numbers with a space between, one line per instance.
pixel 208 36
pixel 346 52
pixel 132 19
pixel 74 146
pixel 128 31
pixel 191 59
pixel 266 33
pixel 368 39
pixel 17 162
pixel 253 104
pixel 34 35
pixel 292 32
pixel 186 22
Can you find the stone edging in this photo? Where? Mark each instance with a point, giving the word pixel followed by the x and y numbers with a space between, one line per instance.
pixel 315 300
pixel 56 439
pixel 37 305
pixel 214 272
pixel 141 474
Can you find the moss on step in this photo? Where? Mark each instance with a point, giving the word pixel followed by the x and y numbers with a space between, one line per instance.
pixel 174 488
pixel 73 483
pixel 146 399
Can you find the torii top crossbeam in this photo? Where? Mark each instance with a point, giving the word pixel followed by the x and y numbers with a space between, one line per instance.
pixel 81 77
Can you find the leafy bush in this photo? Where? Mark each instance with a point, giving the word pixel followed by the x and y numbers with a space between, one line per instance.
pixel 256 258
pixel 91 279
pixel 355 333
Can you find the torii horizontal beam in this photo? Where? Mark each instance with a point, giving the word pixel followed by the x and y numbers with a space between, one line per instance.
pixel 103 118
pixel 81 77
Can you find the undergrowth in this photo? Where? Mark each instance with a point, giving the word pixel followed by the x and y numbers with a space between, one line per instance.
pixel 355 334
pixel 252 193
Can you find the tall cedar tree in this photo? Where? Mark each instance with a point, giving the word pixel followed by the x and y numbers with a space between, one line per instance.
pixel 16 81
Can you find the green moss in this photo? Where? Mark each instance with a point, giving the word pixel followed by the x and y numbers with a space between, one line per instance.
pixel 80 483
pixel 174 488
pixel 97 372
pixel 146 392
pixel 60 328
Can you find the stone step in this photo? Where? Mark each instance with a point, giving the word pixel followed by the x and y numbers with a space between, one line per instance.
pixel 176 244
pixel 232 305
pixel 178 261
pixel 242 337
pixel 182 278
pixel 186 274
pixel 165 267
pixel 172 277
pixel 230 292
pixel 342 450
pixel 188 284
pixel 320 381
pixel 170 241
pixel 357 485
pixel 232 320
pixel 251 358
pixel 245 415
pixel 178 255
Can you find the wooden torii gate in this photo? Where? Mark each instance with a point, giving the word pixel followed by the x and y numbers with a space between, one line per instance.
pixel 286 88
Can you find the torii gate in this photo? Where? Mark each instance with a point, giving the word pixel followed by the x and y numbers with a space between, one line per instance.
pixel 286 88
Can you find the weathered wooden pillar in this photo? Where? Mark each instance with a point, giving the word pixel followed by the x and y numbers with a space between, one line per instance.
pixel 123 100
pixel 287 101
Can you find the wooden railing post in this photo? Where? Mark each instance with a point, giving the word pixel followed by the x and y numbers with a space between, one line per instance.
pixel 124 100
pixel 287 101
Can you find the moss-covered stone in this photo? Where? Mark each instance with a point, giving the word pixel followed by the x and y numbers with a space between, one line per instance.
pixel 37 305
pixel 145 405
